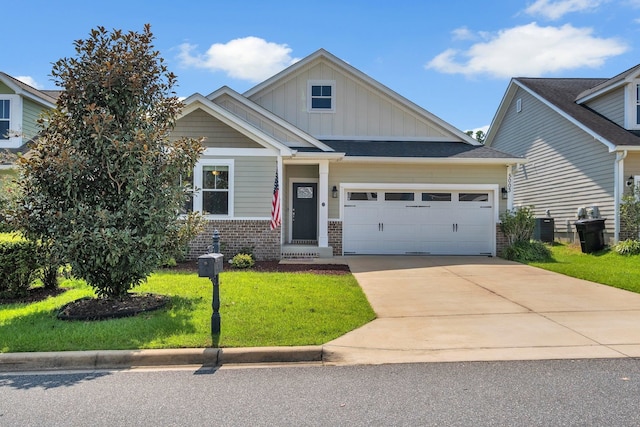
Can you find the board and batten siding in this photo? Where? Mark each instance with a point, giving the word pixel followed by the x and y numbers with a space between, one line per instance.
pixel 610 105
pixel 252 184
pixel 360 109
pixel 413 174
pixel 566 168
pixel 198 124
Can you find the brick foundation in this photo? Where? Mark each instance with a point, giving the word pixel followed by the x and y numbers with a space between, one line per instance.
pixel 238 234
pixel 335 237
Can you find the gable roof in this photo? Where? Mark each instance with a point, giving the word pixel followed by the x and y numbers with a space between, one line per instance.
pixel 197 101
pixel 46 98
pixel 609 85
pixel 560 94
pixel 354 73
pixel 267 115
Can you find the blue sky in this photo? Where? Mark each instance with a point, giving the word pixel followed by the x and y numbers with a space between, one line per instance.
pixel 453 58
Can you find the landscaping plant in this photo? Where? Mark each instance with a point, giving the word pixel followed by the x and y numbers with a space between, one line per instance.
pixel 518 226
pixel 102 183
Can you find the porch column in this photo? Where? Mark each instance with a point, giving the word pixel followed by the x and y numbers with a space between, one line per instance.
pixel 323 204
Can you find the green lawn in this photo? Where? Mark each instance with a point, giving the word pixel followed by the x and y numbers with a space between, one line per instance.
pixel 257 309
pixel 606 267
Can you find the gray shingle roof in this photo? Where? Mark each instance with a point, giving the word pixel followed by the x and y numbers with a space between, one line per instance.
pixel 562 93
pixel 415 149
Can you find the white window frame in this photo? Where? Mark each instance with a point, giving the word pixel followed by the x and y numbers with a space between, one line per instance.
pixel 332 84
pixel 197 182
pixel 632 102
pixel 15 122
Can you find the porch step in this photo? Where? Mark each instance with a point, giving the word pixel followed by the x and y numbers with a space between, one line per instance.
pixel 305 251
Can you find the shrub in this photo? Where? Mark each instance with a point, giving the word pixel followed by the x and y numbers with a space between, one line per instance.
pixel 177 247
pixel 242 261
pixel 518 224
pixel 628 247
pixel 19 265
pixel 527 251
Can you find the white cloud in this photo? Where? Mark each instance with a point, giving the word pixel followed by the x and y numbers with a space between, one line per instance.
pixel 248 58
pixel 529 50
pixel 29 80
pixel 557 9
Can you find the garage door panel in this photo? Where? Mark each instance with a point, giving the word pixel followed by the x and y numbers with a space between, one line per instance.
pixel 455 223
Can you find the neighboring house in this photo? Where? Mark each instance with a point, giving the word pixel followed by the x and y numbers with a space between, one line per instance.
pixel 20 107
pixel 361 170
pixel 581 138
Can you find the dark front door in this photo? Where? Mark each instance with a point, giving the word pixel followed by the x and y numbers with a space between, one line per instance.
pixel 305 211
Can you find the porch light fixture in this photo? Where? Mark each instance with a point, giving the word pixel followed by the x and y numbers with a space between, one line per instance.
pixel 334 192
pixel 505 193
pixel 630 181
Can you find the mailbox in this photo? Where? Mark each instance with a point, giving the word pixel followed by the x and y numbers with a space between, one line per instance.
pixel 209 265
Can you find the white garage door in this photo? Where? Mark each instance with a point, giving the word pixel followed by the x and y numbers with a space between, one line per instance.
pixel 419 222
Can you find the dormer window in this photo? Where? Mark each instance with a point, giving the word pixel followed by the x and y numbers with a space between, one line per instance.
pixel 321 95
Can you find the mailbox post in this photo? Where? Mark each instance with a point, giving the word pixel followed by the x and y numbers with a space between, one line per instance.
pixel 210 265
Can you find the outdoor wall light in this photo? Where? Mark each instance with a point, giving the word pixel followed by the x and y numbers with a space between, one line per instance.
pixel 630 181
pixel 505 193
pixel 334 192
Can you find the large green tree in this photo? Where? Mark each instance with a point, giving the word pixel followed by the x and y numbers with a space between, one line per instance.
pixel 103 181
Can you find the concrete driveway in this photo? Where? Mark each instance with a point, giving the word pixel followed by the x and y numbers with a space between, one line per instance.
pixel 480 308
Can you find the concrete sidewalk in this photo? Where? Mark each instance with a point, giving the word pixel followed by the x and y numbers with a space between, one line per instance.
pixel 479 308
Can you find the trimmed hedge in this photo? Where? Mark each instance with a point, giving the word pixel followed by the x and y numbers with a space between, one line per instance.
pixel 19 266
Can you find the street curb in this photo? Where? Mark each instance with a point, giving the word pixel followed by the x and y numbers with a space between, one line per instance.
pixel 123 359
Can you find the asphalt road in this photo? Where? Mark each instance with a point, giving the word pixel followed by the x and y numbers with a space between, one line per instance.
pixel 540 393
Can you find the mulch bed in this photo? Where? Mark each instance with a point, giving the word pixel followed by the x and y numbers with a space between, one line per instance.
pixel 100 309
pixel 274 266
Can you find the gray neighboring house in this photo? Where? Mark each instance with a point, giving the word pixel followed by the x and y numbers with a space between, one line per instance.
pixel 361 169
pixel 581 138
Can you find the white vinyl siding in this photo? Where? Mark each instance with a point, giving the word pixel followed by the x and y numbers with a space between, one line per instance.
pixel 610 105
pixel 360 110
pixel 199 124
pixel 566 167
pixel 412 174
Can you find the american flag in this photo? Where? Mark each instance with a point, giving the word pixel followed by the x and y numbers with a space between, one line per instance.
pixel 275 205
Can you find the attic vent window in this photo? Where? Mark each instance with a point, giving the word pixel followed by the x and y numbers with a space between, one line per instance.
pixel 321 96
pixel 519 105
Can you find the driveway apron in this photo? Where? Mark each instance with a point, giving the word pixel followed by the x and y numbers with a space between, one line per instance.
pixel 449 308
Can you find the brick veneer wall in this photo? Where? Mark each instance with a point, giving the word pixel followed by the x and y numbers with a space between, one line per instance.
pixel 501 240
pixel 238 234
pixel 335 237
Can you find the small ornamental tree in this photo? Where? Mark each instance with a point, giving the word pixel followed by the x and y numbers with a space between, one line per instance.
pixel 102 182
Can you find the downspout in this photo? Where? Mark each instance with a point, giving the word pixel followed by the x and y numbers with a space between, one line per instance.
pixel 618 190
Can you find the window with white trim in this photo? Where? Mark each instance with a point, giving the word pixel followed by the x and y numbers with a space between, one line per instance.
pixel 5 118
pixel 213 187
pixel 10 121
pixel 321 95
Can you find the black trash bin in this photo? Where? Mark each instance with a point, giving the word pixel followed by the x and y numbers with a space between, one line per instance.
pixel 591 233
